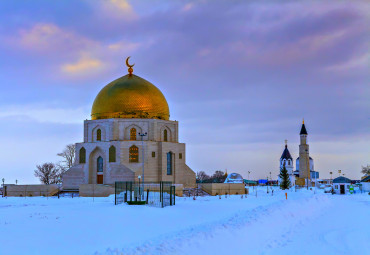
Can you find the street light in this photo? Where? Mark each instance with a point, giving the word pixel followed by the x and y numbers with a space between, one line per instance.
pixel 139 177
pixel 3 186
pixel 142 146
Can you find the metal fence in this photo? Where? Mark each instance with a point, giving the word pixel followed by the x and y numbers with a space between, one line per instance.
pixel 159 194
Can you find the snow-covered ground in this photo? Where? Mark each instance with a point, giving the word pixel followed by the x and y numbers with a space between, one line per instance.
pixel 306 223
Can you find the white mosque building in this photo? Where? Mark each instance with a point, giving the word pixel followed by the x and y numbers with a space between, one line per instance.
pixel 130 136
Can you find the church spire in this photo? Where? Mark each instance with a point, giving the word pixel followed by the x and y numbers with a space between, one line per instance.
pixel 286 153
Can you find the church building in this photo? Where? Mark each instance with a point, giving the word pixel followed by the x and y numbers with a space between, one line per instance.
pixel 304 163
pixel 130 136
pixel 286 161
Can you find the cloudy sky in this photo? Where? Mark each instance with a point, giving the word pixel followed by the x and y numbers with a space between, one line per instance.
pixel 238 75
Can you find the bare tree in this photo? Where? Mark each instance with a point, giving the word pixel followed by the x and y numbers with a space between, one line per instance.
pixel 219 176
pixel 202 177
pixel 68 155
pixel 366 170
pixel 47 173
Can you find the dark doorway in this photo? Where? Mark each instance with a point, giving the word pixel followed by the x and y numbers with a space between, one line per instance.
pixel 342 191
pixel 99 179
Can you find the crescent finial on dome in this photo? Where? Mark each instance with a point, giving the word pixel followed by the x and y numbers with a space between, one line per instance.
pixel 130 70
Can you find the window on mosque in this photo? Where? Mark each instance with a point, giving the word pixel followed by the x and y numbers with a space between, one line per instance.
pixel 133 154
pixel 98 135
pixel 169 163
pixel 112 154
pixel 165 135
pixel 133 134
pixel 99 162
pixel 180 155
pixel 82 155
pixel 153 154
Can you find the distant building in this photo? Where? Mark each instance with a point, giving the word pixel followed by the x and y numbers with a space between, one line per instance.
pixel 365 182
pixel 234 178
pixel 341 185
pixel 286 161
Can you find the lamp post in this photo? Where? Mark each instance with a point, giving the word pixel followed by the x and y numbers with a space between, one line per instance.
pixel 3 186
pixel 142 146
pixel 248 178
pixel 139 177
pixel 331 177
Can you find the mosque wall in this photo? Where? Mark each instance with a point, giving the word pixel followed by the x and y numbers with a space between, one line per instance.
pixel 116 132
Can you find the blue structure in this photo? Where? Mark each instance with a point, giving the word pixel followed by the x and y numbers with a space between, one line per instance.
pixel 262 181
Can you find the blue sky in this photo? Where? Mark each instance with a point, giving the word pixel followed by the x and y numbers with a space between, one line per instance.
pixel 238 75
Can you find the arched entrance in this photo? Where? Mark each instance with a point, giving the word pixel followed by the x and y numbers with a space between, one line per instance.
pixel 97 166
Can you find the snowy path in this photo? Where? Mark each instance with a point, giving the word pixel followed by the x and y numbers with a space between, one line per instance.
pixel 303 224
pixel 315 225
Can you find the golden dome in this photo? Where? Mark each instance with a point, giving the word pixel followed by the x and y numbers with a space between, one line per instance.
pixel 130 97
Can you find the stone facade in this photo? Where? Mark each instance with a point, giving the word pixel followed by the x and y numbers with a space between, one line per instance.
pixel 113 151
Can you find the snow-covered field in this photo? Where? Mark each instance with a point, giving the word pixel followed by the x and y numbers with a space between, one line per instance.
pixel 306 223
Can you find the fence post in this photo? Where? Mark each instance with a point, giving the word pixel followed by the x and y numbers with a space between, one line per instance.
pixel 147 196
pixel 171 196
pixel 115 193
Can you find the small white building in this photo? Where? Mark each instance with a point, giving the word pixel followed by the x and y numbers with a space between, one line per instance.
pixel 341 185
pixel 366 184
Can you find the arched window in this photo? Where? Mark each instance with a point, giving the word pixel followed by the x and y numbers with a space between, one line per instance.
pixel 133 134
pixel 165 138
pixel 134 154
pixel 99 164
pixel 98 135
pixel 112 154
pixel 169 163
pixel 82 155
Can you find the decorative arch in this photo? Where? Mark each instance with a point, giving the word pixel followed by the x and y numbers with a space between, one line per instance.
pixel 129 129
pixel 165 135
pixel 82 155
pixel 97 162
pixel 133 134
pixel 98 134
pixel 134 154
pixel 112 154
